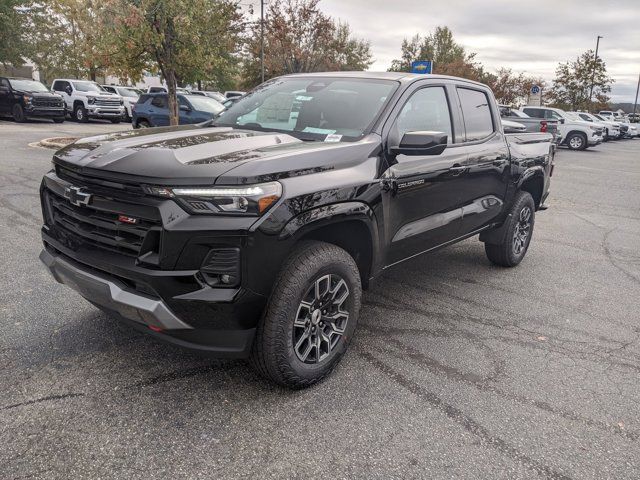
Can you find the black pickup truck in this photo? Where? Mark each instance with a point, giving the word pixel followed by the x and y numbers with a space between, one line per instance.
pixel 23 98
pixel 253 235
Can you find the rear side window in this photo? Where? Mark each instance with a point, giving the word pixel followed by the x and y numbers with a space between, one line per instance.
pixel 534 112
pixel 4 82
pixel 426 110
pixel 476 113
pixel 160 102
pixel 143 99
pixel 60 85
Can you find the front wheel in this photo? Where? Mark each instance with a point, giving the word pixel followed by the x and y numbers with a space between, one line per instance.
pixel 58 120
pixel 18 113
pixel 80 114
pixel 311 316
pixel 115 120
pixel 577 141
pixel 516 237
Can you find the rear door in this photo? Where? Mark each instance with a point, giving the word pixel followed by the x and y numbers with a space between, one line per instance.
pixel 421 196
pixel 483 185
pixel 158 111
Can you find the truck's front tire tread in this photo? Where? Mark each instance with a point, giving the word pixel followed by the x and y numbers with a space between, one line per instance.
pixel 271 355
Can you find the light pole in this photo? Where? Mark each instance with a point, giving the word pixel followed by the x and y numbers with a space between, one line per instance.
pixel 593 75
pixel 262 40
pixel 635 103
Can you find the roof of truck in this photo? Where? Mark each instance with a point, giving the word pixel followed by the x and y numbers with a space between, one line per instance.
pixel 399 76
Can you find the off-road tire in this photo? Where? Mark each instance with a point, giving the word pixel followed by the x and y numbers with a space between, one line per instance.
pixel 273 353
pixel 504 253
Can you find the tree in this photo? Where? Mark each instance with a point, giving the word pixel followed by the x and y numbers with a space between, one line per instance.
pixel 185 40
pixel 300 38
pixel 11 28
pixel 448 56
pixel 573 81
pixel 510 88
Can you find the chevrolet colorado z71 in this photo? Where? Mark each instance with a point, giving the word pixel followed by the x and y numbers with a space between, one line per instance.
pixel 252 235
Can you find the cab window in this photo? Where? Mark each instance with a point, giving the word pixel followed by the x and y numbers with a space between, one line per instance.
pixel 426 110
pixel 476 113
pixel 160 102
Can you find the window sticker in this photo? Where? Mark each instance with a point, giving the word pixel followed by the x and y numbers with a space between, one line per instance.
pixel 320 131
pixel 333 137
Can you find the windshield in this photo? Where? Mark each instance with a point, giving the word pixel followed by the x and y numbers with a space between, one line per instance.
pixel 216 96
pixel 332 109
pixel 27 85
pixel 128 92
pixel 87 87
pixel 572 116
pixel 599 117
pixel 205 104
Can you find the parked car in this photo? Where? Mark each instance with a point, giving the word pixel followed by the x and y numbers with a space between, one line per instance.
pixel 634 117
pixel 152 110
pixel 611 130
pixel 253 235
pixel 181 90
pixel 23 98
pixel 576 134
pixel 215 95
pixel 532 124
pixel 85 99
pixel 513 127
pixel 130 96
pixel 233 93
pixel 627 129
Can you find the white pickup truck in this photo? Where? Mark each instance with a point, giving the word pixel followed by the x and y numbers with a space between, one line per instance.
pixel 611 128
pixel 576 134
pixel 85 99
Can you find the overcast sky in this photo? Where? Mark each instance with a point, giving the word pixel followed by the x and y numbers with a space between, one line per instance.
pixel 525 36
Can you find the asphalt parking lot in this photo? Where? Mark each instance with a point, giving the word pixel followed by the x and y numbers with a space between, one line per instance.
pixel 458 370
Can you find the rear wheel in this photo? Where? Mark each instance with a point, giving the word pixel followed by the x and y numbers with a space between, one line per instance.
pixel 517 233
pixel 577 141
pixel 58 119
pixel 311 316
pixel 18 113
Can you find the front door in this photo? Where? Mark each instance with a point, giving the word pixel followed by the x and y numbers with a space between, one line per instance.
pixel 421 197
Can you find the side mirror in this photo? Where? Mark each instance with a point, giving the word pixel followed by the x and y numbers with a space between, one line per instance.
pixel 421 143
pixel 185 108
pixel 68 90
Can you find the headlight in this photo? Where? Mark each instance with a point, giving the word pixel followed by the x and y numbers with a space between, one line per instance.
pixel 91 100
pixel 593 128
pixel 248 200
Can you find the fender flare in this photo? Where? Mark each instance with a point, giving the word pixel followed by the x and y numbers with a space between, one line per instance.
pixel 323 215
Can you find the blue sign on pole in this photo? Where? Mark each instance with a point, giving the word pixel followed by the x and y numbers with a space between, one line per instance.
pixel 421 66
pixel 535 89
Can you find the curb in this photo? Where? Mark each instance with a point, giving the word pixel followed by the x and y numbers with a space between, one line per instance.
pixel 56 142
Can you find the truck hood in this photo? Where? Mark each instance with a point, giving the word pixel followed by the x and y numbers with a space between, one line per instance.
pixel 39 94
pixel 196 155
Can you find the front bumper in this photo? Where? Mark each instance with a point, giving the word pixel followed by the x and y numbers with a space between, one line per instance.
pixel 595 139
pixel 48 112
pixel 146 313
pixel 105 112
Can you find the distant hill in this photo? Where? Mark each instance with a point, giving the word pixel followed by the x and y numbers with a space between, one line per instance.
pixel 627 107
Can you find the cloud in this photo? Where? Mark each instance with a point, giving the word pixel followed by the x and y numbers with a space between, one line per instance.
pixel 525 36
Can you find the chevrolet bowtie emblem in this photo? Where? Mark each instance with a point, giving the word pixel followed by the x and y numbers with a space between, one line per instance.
pixel 77 196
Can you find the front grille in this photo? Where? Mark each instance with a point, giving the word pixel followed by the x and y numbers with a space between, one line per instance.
pixel 103 102
pixel 87 225
pixel 47 103
pixel 98 185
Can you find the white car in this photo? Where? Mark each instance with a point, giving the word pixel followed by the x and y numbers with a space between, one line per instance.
pixel 128 94
pixel 576 134
pixel 629 130
pixel 611 129
pixel 85 99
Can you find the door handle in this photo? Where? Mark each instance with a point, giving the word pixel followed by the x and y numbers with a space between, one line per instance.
pixel 457 169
